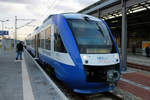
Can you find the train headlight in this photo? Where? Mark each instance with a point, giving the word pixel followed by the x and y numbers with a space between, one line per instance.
pixel 85 57
pixel 116 57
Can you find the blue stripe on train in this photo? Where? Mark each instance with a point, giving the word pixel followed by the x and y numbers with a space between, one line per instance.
pixel 68 39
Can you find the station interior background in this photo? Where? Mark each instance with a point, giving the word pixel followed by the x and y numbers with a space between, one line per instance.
pixel 138 29
pixel 138 22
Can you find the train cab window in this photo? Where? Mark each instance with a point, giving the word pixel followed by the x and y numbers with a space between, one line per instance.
pixel 91 36
pixel 48 38
pixel 58 44
pixel 42 35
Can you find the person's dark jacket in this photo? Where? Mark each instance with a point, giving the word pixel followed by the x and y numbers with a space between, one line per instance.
pixel 19 47
pixel 147 49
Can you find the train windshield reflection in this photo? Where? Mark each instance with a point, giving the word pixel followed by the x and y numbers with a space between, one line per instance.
pixel 91 36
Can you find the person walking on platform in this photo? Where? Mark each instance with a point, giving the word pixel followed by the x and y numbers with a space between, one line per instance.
pixel 19 50
pixel 147 50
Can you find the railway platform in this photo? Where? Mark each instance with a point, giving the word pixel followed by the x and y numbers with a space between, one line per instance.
pixel 138 61
pixel 25 80
pixel 19 81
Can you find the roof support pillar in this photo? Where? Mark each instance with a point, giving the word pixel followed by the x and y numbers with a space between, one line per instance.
pixel 124 36
pixel 99 13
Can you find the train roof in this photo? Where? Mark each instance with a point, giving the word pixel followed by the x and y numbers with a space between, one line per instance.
pixel 78 16
pixel 72 16
pixel 67 16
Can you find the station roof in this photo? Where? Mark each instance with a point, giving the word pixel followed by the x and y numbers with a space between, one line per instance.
pixel 91 6
pixel 108 9
pixel 98 5
pixel 133 6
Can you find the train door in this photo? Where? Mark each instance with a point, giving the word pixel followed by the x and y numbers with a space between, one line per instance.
pixel 52 39
pixel 36 45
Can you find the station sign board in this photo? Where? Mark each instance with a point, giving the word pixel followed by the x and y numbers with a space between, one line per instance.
pixel 4 32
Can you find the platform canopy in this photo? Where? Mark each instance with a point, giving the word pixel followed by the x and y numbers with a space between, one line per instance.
pixel 108 9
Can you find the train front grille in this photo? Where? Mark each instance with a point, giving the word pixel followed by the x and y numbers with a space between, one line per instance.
pixel 99 73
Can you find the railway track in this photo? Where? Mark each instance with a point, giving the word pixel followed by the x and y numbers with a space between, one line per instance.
pixel 101 96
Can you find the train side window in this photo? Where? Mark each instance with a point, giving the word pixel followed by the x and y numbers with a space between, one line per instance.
pixel 32 42
pixel 38 40
pixel 42 39
pixel 48 38
pixel 28 42
pixel 58 43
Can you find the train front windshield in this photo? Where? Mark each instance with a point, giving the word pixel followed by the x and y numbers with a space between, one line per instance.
pixel 91 36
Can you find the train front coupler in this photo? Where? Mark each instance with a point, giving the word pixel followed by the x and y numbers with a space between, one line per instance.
pixel 112 77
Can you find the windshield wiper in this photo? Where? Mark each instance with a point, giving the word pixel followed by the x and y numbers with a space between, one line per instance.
pixel 99 29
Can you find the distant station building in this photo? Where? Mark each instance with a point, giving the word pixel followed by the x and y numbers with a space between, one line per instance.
pixel 138 20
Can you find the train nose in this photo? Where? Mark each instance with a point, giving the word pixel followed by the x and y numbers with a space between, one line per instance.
pixel 112 75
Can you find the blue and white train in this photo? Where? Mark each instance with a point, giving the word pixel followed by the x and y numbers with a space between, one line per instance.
pixel 81 50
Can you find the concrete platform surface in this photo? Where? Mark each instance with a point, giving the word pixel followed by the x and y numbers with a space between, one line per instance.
pixel 141 60
pixel 21 81
pixel 42 86
pixel 10 77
